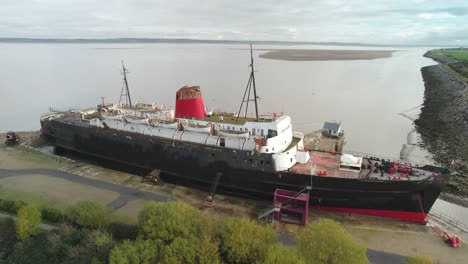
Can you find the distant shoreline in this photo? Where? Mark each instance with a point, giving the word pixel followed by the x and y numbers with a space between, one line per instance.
pixel 193 41
pixel 325 55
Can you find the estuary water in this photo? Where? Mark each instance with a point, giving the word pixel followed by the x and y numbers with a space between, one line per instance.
pixel 365 95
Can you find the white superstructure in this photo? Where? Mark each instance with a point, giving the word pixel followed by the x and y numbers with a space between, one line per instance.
pixel 268 136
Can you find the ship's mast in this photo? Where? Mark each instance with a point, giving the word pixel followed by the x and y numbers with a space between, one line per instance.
pixel 125 93
pixel 248 88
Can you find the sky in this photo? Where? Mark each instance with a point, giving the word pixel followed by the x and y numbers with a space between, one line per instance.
pixel 413 22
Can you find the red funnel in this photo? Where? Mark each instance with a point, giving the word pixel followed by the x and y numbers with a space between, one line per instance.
pixel 189 103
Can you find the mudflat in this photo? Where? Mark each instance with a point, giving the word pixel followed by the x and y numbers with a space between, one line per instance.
pixel 325 55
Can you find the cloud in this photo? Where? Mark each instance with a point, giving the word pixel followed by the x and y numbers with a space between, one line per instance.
pixel 435 15
pixel 379 21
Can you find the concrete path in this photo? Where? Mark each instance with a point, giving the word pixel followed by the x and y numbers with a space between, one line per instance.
pixel 126 194
pixel 41 225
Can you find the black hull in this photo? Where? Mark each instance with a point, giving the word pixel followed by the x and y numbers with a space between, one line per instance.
pixel 245 173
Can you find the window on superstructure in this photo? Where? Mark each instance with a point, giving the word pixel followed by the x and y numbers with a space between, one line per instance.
pixel 261 132
pixel 272 133
pixel 222 143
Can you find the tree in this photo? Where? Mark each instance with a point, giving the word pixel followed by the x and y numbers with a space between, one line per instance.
pixel 328 242
pixel 31 250
pixel 180 251
pixel 88 214
pixel 7 236
pixel 167 221
pixel 278 254
pixel 244 241
pixel 135 252
pixel 79 245
pixel 208 250
pixel 51 214
pixel 420 260
pixel 28 222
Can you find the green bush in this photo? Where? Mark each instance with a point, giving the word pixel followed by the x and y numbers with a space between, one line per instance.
pixel 167 221
pixel 420 260
pixel 28 222
pixel 278 254
pixel 51 214
pixel 7 237
pixel 135 252
pixel 328 242
pixel 5 205
pixel 244 241
pixel 180 251
pixel 123 231
pixel 31 250
pixel 11 206
pixel 88 214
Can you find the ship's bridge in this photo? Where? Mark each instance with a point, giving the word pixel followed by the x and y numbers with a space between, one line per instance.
pixel 270 135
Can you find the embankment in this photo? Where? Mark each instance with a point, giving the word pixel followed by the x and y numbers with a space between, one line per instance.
pixel 443 122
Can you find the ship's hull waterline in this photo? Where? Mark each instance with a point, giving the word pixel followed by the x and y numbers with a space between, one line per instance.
pixel 197 165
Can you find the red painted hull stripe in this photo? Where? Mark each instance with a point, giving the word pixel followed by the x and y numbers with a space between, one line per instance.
pixel 401 215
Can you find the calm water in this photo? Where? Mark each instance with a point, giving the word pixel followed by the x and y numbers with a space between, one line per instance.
pixel 365 95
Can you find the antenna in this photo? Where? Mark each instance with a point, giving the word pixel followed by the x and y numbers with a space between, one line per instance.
pixel 125 93
pixel 248 88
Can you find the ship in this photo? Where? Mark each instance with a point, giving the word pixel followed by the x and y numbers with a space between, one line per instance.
pixel 243 155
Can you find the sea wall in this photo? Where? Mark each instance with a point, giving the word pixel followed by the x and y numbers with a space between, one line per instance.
pixel 443 122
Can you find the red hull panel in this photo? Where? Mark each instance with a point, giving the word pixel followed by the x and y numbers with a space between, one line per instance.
pixel 400 215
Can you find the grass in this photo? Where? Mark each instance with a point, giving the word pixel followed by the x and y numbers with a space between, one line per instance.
pixel 458 54
pixel 420 260
pixel 22 157
pixel 31 198
pixel 461 57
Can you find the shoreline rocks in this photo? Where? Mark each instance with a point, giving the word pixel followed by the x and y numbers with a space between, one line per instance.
pixel 443 122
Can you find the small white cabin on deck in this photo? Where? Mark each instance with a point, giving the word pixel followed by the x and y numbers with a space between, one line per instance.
pixel 332 128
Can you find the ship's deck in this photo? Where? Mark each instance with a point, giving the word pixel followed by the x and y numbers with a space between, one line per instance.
pixel 327 164
pixel 228 118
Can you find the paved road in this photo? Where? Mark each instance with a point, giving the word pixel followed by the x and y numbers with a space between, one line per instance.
pixel 41 225
pixel 126 194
